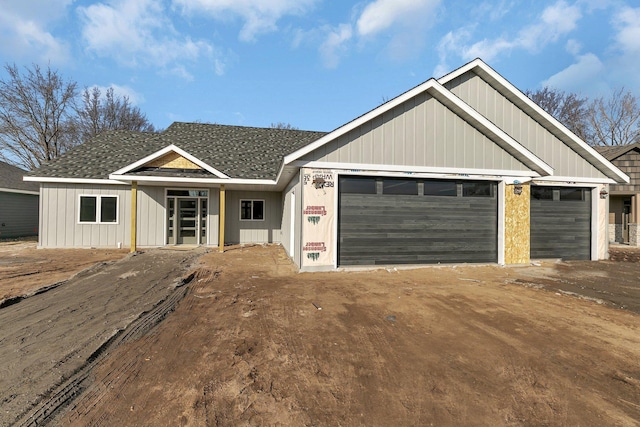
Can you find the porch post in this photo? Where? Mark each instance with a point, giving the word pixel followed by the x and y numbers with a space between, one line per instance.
pixel 134 214
pixel 221 224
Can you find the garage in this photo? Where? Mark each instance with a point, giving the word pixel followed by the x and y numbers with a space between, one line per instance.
pixel 560 222
pixel 385 220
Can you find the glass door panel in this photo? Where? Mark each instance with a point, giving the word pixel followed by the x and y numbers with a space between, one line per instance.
pixel 187 221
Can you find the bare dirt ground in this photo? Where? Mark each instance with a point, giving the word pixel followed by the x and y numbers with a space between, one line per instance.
pixel 25 270
pixel 255 344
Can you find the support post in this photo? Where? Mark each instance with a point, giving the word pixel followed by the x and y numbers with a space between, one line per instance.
pixel 134 215
pixel 221 216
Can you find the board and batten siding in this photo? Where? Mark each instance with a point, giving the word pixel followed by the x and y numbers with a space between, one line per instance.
pixel 421 132
pixel 264 231
pixel 59 226
pixel 18 215
pixel 489 102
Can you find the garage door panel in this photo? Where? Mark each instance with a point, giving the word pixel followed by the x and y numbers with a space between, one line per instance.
pixel 416 229
pixel 561 228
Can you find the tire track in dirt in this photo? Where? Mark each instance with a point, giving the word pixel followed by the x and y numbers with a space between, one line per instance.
pixel 54 340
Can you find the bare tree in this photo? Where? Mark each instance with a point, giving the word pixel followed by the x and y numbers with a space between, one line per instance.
pixel 615 120
pixel 568 108
pixel 97 113
pixel 282 125
pixel 35 115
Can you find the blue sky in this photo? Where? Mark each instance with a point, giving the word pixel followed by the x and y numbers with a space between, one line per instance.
pixel 315 64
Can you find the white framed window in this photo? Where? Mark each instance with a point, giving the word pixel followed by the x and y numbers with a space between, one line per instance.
pixel 251 210
pixel 98 209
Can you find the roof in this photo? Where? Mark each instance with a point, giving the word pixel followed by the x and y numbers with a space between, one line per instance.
pixel 237 151
pixel 11 179
pixel 611 152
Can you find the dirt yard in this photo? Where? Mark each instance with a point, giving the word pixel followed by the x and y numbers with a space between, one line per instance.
pixel 25 270
pixel 255 344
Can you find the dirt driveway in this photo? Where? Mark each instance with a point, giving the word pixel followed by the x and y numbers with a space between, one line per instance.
pixel 255 344
pixel 50 341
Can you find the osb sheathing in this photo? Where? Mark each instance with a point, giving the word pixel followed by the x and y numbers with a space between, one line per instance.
pixel 517 225
pixel 173 161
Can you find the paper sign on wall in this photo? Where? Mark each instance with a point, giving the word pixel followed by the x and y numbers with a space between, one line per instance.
pixel 317 217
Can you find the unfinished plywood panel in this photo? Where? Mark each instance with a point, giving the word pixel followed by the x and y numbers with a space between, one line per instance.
pixel 173 161
pixel 517 224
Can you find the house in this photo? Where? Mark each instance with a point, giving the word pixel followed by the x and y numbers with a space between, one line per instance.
pixel 18 203
pixel 461 169
pixel 624 199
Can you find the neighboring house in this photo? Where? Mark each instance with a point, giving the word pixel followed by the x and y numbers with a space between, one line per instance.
pixel 624 199
pixel 18 203
pixel 461 169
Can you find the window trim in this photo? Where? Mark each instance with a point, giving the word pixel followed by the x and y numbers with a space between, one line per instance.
pixel 98 219
pixel 264 210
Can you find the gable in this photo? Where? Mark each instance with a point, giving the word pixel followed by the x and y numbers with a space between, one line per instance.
pixel 172 160
pixel 517 118
pixel 420 132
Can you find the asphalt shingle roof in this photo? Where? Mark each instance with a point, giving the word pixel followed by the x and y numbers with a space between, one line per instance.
pixel 615 151
pixel 11 177
pixel 237 151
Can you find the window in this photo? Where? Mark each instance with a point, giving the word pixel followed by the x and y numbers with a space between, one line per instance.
pixel 98 209
pixel 358 185
pixel 400 186
pixel 440 188
pixel 541 193
pixel 477 189
pixel 252 210
pixel 576 194
pixel 188 193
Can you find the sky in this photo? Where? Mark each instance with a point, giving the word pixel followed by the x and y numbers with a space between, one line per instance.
pixel 315 64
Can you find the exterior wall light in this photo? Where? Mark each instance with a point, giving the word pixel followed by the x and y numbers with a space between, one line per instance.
pixel 604 193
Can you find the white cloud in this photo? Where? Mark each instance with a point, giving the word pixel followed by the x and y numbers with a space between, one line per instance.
pixel 334 45
pixel 137 32
pixel 628 23
pixel 381 15
pixel 24 30
pixel 577 76
pixel 259 16
pixel 554 22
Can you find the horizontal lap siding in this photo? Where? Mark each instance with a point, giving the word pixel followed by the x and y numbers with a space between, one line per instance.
pixel 401 229
pixel 561 228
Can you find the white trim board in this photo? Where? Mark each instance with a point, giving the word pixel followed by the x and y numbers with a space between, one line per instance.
pixel 12 190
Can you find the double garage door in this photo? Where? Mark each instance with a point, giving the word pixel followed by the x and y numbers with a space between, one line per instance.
pixel 412 221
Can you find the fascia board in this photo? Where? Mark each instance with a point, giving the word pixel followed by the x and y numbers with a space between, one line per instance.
pixel 410 170
pixel 50 179
pixel 441 93
pixel 167 150
pixel 577 142
pixel 575 179
pixel 183 180
pixel 13 190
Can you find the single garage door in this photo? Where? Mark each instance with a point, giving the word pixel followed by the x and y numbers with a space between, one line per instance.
pixel 413 221
pixel 560 222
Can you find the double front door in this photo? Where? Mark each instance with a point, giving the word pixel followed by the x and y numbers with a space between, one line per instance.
pixel 186 221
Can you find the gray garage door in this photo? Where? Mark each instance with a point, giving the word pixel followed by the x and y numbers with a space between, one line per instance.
pixel 412 221
pixel 560 222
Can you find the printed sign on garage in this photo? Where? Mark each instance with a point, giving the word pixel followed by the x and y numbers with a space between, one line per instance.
pixel 317 217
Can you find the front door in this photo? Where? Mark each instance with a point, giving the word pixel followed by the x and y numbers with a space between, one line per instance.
pixel 187 230
pixel 187 217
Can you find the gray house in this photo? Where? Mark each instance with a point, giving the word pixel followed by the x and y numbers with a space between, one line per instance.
pixel 624 204
pixel 461 169
pixel 18 203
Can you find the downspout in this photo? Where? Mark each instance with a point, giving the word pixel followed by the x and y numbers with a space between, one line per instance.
pixel 134 214
pixel 221 224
